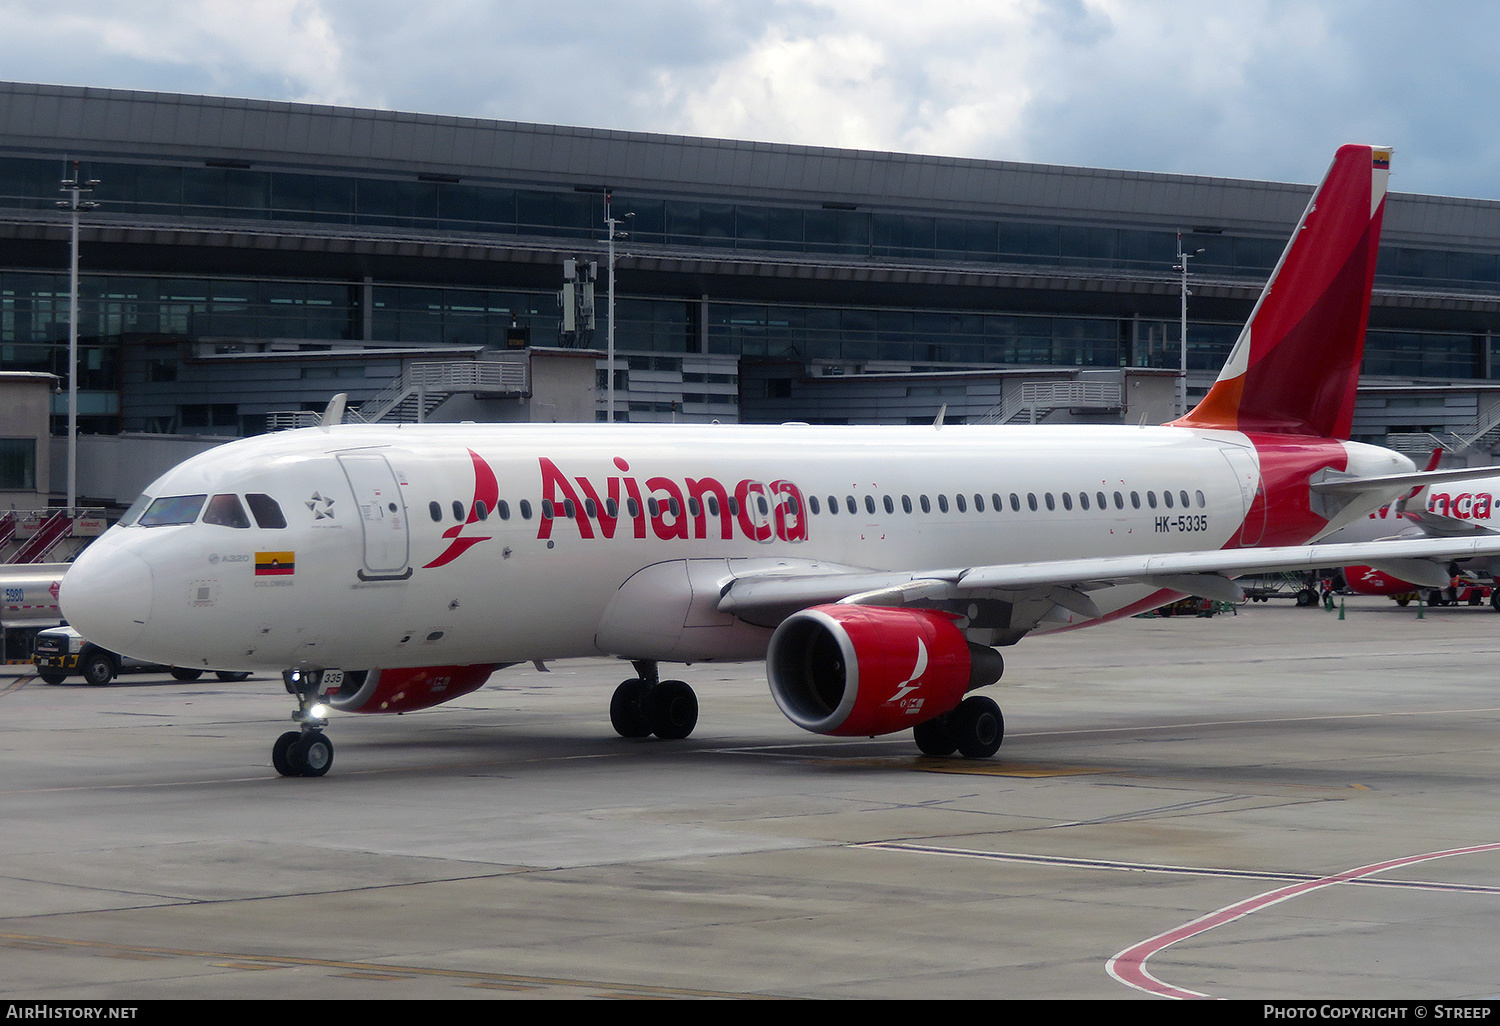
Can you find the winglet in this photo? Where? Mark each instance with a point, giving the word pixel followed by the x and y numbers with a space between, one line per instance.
pixel 1295 367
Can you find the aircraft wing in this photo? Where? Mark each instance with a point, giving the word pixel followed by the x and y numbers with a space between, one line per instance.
pixel 1206 573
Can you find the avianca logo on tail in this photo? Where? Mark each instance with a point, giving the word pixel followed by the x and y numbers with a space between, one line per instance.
pixel 696 507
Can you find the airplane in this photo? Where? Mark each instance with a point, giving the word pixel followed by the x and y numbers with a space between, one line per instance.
pixel 1466 510
pixel 385 569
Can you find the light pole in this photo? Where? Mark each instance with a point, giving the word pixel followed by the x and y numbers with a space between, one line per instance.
pixel 610 224
pixel 74 187
pixel 1182 265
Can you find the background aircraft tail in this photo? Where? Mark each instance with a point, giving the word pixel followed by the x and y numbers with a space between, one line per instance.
pixel 1295 367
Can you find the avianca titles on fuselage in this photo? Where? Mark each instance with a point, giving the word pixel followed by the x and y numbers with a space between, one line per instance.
pixel 874 568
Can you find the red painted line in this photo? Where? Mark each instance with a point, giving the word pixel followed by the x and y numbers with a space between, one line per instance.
pixel 1129 966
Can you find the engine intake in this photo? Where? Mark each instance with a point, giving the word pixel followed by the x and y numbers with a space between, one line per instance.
pixel 866 670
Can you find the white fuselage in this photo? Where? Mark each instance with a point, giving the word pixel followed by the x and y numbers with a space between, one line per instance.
pixel 400 549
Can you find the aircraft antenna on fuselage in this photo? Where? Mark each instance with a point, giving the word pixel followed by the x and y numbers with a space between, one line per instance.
pixel 334 412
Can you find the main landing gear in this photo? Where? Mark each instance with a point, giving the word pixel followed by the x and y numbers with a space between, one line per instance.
pixel 644 705
pixel 974 730
pixel 306 752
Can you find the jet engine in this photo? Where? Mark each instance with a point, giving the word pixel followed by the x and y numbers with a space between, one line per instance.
pixel 858 671
pixel 407 689
pixel 1366 580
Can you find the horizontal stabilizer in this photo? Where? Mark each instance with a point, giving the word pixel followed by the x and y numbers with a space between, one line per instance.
pixel 1416 479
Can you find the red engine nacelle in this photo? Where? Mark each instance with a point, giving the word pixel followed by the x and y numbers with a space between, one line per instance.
pixel 1366 580
pixel 865 670
pixel 406 690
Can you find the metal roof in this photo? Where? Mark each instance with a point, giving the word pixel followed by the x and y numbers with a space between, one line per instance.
pixel 127 124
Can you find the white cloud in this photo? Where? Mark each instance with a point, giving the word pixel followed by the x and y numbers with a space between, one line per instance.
pixel 222 45
pixel 875 75
pixel 1256 88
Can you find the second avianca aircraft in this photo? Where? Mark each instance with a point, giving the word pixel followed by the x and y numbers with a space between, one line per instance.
pixel 875 569
pixel 1466 510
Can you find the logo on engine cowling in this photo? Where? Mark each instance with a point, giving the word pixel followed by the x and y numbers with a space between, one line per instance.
pixel 911 706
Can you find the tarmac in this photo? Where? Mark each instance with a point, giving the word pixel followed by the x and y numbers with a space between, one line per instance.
pixel 1281 803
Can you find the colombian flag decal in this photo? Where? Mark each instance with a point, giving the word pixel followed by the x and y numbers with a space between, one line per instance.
pixel 275 564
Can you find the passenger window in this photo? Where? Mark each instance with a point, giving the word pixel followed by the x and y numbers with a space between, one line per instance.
pixel 435 512
pixel 1135 500
pixel 1201 503
pixel 849 505
pixel 458 511
pixel 525 509
pixel 926 505
pixel 1083 500
pixel 942 503
pixel 226 511
pixel 1183 496
pixel 978 503
pixel 890 504
pixel 170 510
pixel 504 510
pixel 870 504
pixel 1166 497
pixel 1031 501
pixel 1151 499
pixel 481 511
pixel 266 510
pixel 571 511
pixel 906 503
pixel 1103 502
pixel 1050 504
pixel 812 500
pixel 1119 501
pixel 1015 502
pixel 546 509
pixel 963 506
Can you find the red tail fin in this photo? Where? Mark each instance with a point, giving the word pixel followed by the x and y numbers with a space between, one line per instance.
pixel 1295 367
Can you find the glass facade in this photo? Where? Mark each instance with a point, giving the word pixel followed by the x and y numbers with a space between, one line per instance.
pixel 240 193
pixel 409 304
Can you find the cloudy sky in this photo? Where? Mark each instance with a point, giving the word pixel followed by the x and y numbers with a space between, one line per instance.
pixel 1242 88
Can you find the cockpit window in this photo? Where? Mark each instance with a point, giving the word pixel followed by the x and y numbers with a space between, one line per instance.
pixel 130 515
pixel 226 511
pixel 267 511
pixel 172 509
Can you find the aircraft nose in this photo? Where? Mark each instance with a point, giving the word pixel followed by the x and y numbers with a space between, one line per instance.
pixel 106 594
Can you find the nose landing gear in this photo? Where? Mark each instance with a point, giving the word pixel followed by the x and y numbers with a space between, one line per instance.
pixel 306 752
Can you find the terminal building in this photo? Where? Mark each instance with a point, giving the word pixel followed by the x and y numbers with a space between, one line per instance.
pixel 245 260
